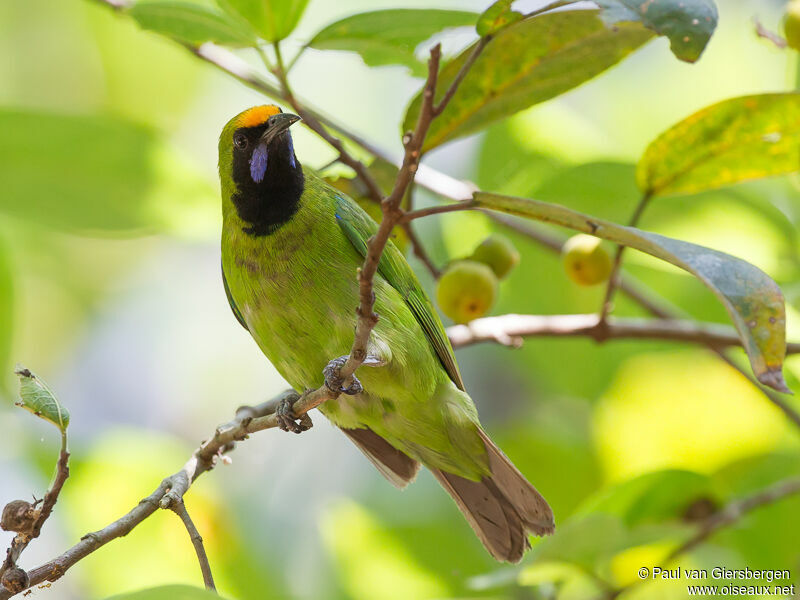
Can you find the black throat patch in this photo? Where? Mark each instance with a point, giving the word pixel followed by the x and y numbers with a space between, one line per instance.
pixel 267 204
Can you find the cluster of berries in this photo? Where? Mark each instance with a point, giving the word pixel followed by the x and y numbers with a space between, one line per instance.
pixel 467 289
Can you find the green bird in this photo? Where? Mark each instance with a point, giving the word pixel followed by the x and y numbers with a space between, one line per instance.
pixel 291 247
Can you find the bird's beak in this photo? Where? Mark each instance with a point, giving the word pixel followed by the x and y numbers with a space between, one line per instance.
pixel 277 125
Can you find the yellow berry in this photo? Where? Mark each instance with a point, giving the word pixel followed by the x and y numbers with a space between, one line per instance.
pixel 791 24
pixel 585 260
pixel 466 290
pixel 498 253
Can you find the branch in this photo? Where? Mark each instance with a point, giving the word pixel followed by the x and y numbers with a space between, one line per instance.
pixel 179 508
pixel 171 490
pixel 30 522
pixel 654 304
pixel 510 329
pixel 438 210
pixel 313 123
pixel 419 250
pixel 734 511
pixel 367 319
pixel 613 279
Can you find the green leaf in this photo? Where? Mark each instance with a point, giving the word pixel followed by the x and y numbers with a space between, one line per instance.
pixel 389 37
pixel 524 64
pixel 273 20
pixel 653 497
pixel 192 23
pixel 6 316
pixel 169 592
pixel 92 173
pixel 40 400
pixel 498 16
pixel 754 301
pixel 732 141
pixel 687 23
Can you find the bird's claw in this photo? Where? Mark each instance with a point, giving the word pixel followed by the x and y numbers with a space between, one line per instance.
pixel 334 381
pixel 287 420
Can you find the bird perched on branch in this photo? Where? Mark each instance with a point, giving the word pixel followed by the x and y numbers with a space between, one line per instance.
pixel 291 247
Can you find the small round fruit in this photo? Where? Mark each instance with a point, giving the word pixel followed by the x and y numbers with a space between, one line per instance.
pixel 498 253
pixel 585 260
pixel 466 290
pixel 791 24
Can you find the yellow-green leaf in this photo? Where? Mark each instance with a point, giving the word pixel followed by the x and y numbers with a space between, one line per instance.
pixel 687 23
pixel 40 400
pixel 390 37
pixel 192 23
pixel 735 140
pixel 498 16
pixel 169 592
pixel 753 300
pixel 526 63
pixel 6 315
pixel 273 20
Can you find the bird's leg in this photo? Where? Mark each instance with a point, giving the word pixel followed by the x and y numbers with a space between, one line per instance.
pixel 287 421
pixel 334 380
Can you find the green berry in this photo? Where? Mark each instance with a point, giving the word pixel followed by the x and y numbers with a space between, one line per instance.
pixel 466 290
pixel 585 260
pixel 498 253
pixel 791 24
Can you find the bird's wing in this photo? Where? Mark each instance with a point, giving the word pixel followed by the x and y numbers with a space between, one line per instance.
pixel 234 308
pixel 358 226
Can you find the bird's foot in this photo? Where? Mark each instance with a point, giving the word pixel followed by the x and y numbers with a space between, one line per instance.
pixel 335 382
pixel 287 420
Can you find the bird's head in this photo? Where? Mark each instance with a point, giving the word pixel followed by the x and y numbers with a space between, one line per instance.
pixel 258 168
pixel 254 137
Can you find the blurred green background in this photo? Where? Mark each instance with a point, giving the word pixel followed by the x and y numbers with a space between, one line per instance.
pixel 110 289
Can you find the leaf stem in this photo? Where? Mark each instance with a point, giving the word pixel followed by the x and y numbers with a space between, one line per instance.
pixel 613 279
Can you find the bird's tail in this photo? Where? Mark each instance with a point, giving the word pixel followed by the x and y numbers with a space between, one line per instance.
pixel 502 508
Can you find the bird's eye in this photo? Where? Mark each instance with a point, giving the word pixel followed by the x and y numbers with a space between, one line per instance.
pixel 240 141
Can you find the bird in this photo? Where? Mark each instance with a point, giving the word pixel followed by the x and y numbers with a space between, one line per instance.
pixel 291 247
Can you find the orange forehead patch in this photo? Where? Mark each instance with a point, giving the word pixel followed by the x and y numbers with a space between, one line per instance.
pixel 258 115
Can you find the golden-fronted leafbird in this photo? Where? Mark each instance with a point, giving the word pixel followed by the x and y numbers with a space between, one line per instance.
pixel 291 247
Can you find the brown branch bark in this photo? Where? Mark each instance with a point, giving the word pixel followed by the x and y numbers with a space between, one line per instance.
pixel 419 250
pixel 179 508
pixel 510 329
pixel 170 492
pixel 24 538
pixel 734 511
pixel 613 279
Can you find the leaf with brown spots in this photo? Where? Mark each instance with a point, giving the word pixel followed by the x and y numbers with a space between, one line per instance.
pixel 753 300
pixel 735 140
pixel 687 23
pixel 528 62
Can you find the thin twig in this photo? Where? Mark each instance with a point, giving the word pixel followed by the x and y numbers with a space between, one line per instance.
pixel 367 319
pixel 462 72
pixel 373 189
pixel 437 210
pixel 636 291
pixel 23 538
pixel 172 489
pixel 419 250
pixel 730 514
pixel 734 511
pixel 508 329
pixel 179 508
pixel 613 279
